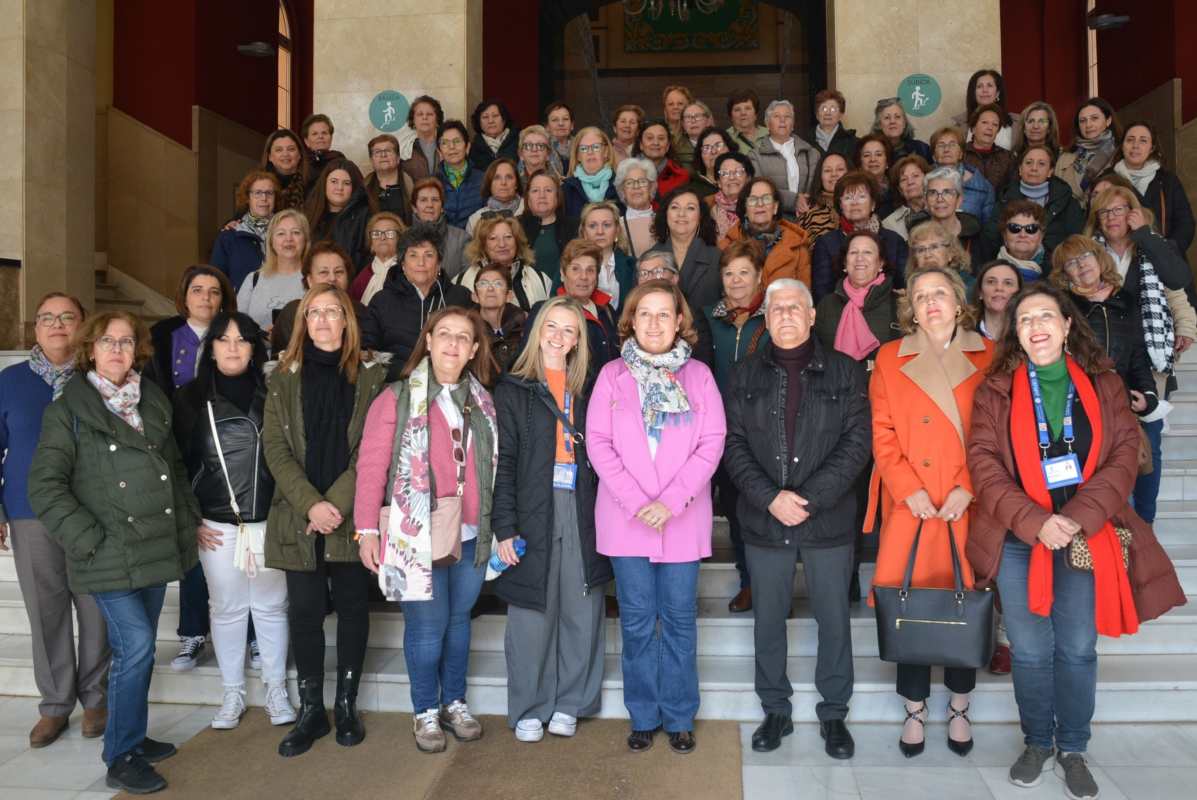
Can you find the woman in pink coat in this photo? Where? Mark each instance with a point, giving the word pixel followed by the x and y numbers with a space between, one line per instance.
pixel 653 510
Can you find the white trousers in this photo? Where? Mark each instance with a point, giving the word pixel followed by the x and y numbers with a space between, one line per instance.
pixel 232 595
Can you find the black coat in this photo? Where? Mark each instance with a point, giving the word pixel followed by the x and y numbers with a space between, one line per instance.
pixel 348 228
pixel 880 312
pixel 523 497
pixel 1173 215
pixel 1119 330
pixel 825 260
pixel 842 143
pixel 1169 263
pixel 699 281
pixel 397 314
pixel 158 368
pixel 832 444
pixel 576 199
pixel 240 440
pixel 480 156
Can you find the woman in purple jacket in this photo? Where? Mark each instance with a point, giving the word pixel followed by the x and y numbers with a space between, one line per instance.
pixel 653 509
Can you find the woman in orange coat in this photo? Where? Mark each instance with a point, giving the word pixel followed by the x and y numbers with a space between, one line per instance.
pixel 922 397
pixel 787 246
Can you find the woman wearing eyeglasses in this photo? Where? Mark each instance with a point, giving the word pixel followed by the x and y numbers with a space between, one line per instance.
pixel 636 183
pixel 1037 182
pixel 109 485
pixel 502 192
pixel 947 147
pixel 383 232
pixel 315 413
pixel 712 143
pixel 785 246
pixel 943 192
pixel 327 263
pixel 536 155
pixel 591 172
pixel 388 184
pixel 239 251
pixel 732 171
pixel 461 180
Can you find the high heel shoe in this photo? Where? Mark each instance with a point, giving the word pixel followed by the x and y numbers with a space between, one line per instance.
pixel 911 750
pixel 959 748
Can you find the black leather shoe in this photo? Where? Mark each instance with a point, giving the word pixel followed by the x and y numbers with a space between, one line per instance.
pixel 839 741
pixel 768 735
pixel 959 748
pixel 155 751
pixel 132 773
pixel 908 749
pixel 682 742
pixel 312 722
pixel 350 730
pixel 741 602
pixel 640 741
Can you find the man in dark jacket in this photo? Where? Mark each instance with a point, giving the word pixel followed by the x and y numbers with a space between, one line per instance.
pixel 798 435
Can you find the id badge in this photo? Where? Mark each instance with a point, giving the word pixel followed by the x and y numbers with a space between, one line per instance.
pixel 1062 471
pixel 565 476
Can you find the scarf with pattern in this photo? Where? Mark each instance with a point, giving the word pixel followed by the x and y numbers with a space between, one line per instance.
pixel 495 142
pixel 255 226
pixel 121 400
pixel 55 377
pixel 664 400
pixel 724 209
pixel 1093 156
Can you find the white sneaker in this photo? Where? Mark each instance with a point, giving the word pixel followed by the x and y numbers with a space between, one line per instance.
pixel 255 655
pixel 190 650
pixel 563 724
pixel 232 708
pixel 529 730
pixel 278 704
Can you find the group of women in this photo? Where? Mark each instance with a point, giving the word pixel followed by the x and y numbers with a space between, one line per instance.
pixel 545 423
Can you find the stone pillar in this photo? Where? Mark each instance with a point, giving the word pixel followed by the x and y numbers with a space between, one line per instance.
pixel 873 45
pixel 410 46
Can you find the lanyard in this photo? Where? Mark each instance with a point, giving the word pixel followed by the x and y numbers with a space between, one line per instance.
pixel 566 438
pixel 1041 417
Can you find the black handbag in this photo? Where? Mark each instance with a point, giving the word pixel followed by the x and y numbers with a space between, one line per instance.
pixel 934 627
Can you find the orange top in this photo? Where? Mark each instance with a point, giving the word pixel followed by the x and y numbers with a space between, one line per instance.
pixel 555 378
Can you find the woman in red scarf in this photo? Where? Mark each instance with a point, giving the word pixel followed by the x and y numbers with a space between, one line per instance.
pixel 1047 472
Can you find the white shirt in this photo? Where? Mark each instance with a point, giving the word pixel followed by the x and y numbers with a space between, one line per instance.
pixel 607 282
pixel 786 151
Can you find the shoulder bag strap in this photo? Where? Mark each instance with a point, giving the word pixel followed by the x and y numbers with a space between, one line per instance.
pixel 560 415
pixel 224 468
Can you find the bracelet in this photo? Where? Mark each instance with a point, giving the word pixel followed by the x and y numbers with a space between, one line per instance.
pixel 357 537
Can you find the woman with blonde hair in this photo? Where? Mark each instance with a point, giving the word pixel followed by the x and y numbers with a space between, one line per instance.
pixel 591 173
pixel 536 154
pixel 279 280
pixel 315 413
pixel 544 526
pixel 617 271
pixel 499 240
pixel 932 246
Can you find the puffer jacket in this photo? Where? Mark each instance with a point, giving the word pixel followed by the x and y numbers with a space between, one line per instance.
pixel 523 497
pixel 1119 330
pixel 288 546
pixel 832 444
pixel 116 500
pixel 240 441
pixel 348 228
pixel 462 202
pixel 397 314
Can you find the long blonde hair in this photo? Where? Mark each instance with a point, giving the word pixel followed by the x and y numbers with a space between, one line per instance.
pixel 270 264
pixel 530 366
pixel 351 339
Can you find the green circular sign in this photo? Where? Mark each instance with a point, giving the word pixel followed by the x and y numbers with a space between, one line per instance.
pixel 920 95
pixel 388 111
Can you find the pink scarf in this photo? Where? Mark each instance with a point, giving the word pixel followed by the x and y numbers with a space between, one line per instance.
pixel 852 336
pixel 725 214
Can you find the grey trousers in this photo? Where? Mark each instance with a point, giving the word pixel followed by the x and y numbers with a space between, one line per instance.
pixel 555 657
pixel 42 574
pixel 828 573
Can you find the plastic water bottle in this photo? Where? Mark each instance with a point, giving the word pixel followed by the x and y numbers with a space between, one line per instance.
pixel 497 565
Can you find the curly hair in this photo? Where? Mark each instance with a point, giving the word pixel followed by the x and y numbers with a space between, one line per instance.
pixel 475 252
pixel 1076 246
pixel 706 223
pixel 242 199
pixel 1080 343
pixel 90 331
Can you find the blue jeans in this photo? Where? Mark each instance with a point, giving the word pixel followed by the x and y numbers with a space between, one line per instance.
pixel 1055 658
pixel 436 634
pixel 1147 487
pixel 132 619
pixel 660 672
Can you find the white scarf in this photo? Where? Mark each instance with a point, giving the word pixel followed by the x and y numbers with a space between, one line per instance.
pixel 824 139
pixel 407 141
pixel 786 151
pixel 1142 177
pixel 495 142
pixel 640 213
pixel 378 279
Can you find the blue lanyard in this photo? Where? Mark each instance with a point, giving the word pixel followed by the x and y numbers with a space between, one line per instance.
pixel 566 438
pixel 1041 417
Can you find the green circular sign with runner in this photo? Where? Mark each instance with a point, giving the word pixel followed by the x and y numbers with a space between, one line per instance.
pixel 388 111
pixel 920 95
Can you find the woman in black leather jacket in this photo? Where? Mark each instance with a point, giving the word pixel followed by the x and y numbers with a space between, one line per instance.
pixel 218 425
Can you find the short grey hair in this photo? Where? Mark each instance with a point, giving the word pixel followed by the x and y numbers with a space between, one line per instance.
pixel 664 256
pixel 776 104
pixel 781 284
pixel 944 174
pixel 629 164
pixel 705 108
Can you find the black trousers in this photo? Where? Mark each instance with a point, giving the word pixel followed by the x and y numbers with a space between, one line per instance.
pixel 914 681
pixel 307 594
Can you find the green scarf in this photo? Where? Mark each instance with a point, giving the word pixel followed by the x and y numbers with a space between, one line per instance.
pixel 456 176
pixel 1053 384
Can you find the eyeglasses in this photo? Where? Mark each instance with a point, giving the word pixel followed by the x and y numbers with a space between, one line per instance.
pixel 713 148
pixel 392 234
pixel 941 194
pixel 454 142
pixel 1074 263
pixel 1116 211
pixel 758 199
pixel 330 313
pixel 637 183
pixel 855 197
pixel 262 194
pixel 534 147
pixel 923 250
pixel 694 117
pixel 829 107
pixel 590 148
pixel 47 320
pixel 1031 227
pixel 732 173
pixel 947 144
pixel 490 284
pixel 110 344
pixel 655 273
pixel 383 151
pixel 502 214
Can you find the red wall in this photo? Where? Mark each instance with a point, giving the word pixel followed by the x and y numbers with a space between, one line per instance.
pixel 1153 47
pixel 511 57
pixel 1044 55
pixel 171 56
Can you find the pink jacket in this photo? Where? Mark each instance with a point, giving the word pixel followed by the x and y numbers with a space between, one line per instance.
pixel 629 477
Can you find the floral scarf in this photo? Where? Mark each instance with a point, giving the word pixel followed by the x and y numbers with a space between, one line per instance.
pixel 1093 156
pixel 727 313
pixel 406 570
pixel 121 400
pixel 55 377
pixel 595 186
pixel 872 225
pixel 456 176
pixel 665 401
pixel 255 226
pixel 724 209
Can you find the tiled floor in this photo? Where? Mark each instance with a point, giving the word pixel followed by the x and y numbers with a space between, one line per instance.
pixel 1131 762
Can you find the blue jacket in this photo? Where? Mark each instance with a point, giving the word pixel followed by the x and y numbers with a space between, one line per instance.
pixel 825 260
pixel 236 253
pixel 24 397
pixel 463 201
pixel 576 199
pixel 731 344
pixel 979 197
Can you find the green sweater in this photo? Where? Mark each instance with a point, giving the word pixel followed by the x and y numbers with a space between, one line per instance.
pixel 1053 384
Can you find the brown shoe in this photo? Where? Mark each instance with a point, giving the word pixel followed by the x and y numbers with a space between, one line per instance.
pixel 742 601
pixel 95 720
pixel 46 731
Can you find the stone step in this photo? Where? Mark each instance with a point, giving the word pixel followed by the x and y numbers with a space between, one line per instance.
pixel 1156 688
pixel 1184 407
pixel 1180 442
pixel 1176 521
pixel 1178 481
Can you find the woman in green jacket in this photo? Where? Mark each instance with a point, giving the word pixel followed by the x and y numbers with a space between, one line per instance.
pixel 315 412
pixel 108 483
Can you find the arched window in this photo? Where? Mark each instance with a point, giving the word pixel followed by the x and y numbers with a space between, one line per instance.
pixel 284 67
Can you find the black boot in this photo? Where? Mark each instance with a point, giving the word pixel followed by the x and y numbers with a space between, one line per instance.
pixel 312 722
pixel 350 730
